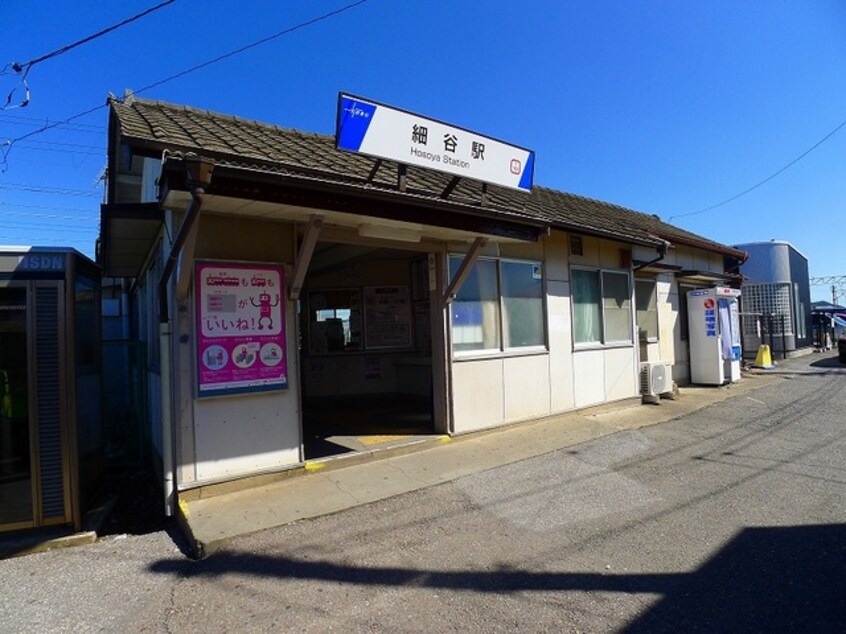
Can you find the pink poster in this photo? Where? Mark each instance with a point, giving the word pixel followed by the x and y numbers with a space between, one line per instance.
pixel 240 328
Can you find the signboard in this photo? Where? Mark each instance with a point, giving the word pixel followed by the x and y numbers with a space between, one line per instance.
pixel 387 317
pixel 240 328
pixel 710 314
pixel 372 128
pixel 41 262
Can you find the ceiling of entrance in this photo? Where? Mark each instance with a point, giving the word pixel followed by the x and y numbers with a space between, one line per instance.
pixel 274 211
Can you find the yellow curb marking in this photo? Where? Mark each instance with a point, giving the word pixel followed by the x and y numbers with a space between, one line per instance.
pixel 183 507
pixel 375 440
pixel 314 466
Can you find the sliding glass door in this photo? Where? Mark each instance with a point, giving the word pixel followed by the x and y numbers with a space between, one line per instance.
pixel 16 462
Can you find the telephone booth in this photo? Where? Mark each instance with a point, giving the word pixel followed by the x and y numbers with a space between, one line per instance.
pixel 51 440
pixel 714 335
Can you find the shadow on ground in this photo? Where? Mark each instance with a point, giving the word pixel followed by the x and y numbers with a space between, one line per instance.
pixel 139 503
pixel 828 362
pixel 768 579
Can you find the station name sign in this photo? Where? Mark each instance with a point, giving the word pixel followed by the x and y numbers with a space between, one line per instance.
pixel 41 262
pixel 378 130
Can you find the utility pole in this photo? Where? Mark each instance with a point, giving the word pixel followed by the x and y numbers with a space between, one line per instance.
pixel 837 282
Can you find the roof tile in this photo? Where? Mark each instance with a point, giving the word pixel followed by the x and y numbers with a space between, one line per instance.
pixel 274 149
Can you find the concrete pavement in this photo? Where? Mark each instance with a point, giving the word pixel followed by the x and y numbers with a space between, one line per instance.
pixel 334 484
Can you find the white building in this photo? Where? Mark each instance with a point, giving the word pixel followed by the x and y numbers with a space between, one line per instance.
pixel 400 304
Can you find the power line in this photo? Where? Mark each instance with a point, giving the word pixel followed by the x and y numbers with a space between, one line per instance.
pixel 9 143
pixel 44 128
pixel 19 67
pixel 38 189
pixel 27 66
pixel 10 119
pixel 768 178
pixel 41 228
pixel 28 215
pixel 264 40
pixel 59 150
pixel 46 207
pixel 83 146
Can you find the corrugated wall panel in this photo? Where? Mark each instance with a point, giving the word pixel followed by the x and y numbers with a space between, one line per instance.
pixel 49 402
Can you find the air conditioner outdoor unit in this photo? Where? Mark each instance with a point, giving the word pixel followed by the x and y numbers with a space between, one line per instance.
pixel 656 378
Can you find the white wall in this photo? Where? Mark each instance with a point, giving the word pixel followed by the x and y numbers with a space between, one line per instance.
pixel 228 436
pixel 239 435
pixel 494 391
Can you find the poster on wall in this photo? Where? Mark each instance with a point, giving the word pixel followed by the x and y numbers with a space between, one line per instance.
pixel 240 328
pixel 387 317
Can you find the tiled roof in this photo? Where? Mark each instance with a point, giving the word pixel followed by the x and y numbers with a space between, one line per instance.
pixel 240 142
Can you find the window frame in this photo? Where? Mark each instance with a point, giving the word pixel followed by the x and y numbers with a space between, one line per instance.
pixel 654 283
pixel 604 342
pixel 501 350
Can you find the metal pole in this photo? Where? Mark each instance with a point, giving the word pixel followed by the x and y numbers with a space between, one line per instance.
pixel 770 332
pixel 783 338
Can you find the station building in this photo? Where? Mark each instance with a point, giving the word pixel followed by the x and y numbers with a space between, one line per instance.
pixel 300 302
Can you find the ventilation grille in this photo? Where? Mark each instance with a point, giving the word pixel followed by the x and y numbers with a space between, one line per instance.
pixel 48 402
pixel 576 245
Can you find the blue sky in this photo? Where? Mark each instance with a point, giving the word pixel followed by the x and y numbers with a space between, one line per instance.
pixel 666 107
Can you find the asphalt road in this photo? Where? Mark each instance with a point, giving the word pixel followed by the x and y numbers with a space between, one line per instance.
pixel 732 519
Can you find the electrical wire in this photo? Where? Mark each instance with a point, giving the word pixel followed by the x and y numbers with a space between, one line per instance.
pixel 9 143
pixel 38 189
pixel 767 179
pixel 81 146
pixel 47 126
pixel 16 119
pixel 44 207
pixel 60 150
pixel 29 215
pixel 20 67
pixel 27 66
pixel 264 40
pixel 40 228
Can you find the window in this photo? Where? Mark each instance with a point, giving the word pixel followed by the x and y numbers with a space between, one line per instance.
pixel 522 304
pixel 576 245
pixel 684 327
pixel 475 310
pixel 765 300
pixel 587 325
pixel 602 307
pixel 499 306
pixel 799 313
pixel 646 305
pixel 334 320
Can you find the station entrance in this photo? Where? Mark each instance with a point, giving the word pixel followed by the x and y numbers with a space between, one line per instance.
pixel 366 349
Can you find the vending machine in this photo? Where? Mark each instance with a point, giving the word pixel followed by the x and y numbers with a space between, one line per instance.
pixel 714 335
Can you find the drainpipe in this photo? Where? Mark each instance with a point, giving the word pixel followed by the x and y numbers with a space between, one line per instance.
pixel 167 422
pixel 662 249
pixel 198 175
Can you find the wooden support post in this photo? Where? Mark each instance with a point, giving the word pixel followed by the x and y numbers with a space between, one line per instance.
pixel 402 170
pixel 464 270
pixel 186 263
pixel 450 186
pixel 373 170
pixel 304 256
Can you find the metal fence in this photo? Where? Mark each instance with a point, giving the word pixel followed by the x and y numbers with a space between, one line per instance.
pixel 125 403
